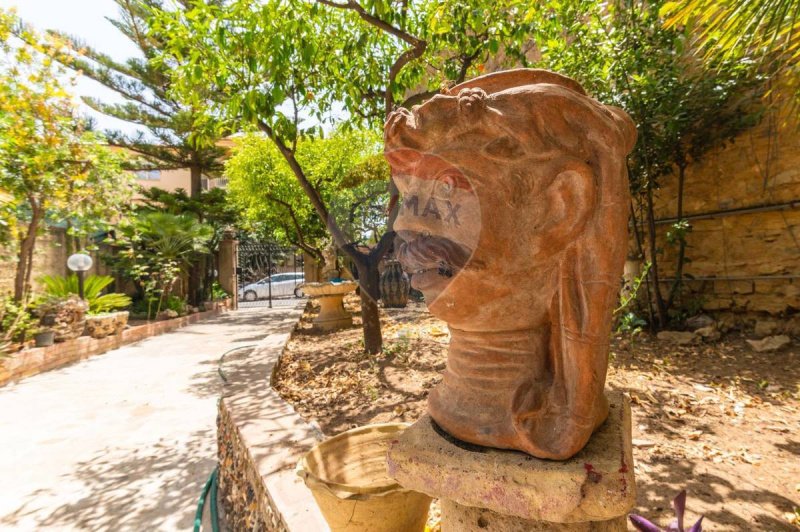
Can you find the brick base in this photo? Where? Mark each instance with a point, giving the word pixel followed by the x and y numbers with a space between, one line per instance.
pixel 38 359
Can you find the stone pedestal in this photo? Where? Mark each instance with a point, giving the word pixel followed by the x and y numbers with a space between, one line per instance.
pixel 483 489
pixel 332 314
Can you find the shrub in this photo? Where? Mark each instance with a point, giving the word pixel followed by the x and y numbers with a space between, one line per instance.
pixel 59 286
pixel 16 323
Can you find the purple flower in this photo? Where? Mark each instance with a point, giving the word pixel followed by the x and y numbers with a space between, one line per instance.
pixel 679 505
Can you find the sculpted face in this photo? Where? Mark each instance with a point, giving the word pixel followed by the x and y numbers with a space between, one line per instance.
pixel 514 219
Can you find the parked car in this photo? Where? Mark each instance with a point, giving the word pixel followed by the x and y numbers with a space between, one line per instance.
pixel 283 284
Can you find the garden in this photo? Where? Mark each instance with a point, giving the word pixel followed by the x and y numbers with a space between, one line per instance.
pixel 502 208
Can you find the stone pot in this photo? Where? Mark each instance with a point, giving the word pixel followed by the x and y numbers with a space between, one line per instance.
pixel 44 338
pixel 394 285
pixel 106 324
pixel 66 317
pixel 348 478
pixel 121 321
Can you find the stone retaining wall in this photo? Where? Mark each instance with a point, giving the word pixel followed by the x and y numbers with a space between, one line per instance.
pixel 38 359
pixel 744 247
pixel 260 439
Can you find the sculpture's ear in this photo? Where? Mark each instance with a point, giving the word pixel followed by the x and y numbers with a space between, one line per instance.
pixel 626 127
pixel 570 202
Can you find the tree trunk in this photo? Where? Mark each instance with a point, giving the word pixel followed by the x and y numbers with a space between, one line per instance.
pixel 368 281
pixel 661 309
pixel 196 186
pixel 676 284
pixel 25 255
pixel 195 268
pixel 639 237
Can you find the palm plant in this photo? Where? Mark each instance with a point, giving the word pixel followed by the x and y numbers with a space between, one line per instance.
pixel 173 237
pixel 59 286
pixel 157 247
pixel 767 30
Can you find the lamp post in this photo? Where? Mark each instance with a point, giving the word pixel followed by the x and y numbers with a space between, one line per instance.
pixel 80 264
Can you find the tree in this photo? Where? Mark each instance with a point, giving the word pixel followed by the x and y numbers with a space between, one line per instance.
pixel 166 139
pixel 154 248
pixel 212 208
pixel 765 30
pixel 623 53
pixel 51 167
pixel 284 67
pixel 343 166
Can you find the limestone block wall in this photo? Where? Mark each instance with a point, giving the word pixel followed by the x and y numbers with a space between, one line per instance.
pixel 743 202
pixel 49 258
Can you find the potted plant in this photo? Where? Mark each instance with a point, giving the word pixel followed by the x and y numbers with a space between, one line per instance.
pixel 103 318
pixel 44 337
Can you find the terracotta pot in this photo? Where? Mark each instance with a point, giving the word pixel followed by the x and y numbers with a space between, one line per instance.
pixel 347 477
pixel 394 285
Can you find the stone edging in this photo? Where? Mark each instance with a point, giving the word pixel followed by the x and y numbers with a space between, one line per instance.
pixel 260 439
pixel 39 359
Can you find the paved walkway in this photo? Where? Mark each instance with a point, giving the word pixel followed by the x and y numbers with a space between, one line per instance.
pixel 123 440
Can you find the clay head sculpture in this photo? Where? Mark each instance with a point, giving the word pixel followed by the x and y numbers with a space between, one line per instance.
pixel 514 226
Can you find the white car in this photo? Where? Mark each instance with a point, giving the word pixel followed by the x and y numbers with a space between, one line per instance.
pixel 283 284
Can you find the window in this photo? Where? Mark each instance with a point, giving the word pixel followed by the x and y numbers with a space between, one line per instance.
pixel 148 175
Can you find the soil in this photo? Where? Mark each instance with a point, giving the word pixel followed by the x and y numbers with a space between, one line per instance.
pixel 718 420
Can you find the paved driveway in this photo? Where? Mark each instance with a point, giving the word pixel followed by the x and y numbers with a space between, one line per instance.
pixel 124 440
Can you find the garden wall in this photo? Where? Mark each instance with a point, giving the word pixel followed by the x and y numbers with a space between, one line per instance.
pixel 260 439
pixel 49 258
pixel 39 359
pixel 743 202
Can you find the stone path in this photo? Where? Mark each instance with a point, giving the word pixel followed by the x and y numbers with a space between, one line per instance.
pixel 124 440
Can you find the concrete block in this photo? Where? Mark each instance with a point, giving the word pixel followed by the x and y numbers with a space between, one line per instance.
pixel 595 485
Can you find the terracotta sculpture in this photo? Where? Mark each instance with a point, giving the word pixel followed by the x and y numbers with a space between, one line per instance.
pixel 514 226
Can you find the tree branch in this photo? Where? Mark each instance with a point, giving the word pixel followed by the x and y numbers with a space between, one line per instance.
pixel 374 21
pixel 311 192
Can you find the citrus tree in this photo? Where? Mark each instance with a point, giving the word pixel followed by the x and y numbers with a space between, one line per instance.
pixel 345 169
pixel 285 67
pixel 52 168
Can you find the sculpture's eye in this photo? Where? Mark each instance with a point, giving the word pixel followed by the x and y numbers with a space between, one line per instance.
pixel 444 186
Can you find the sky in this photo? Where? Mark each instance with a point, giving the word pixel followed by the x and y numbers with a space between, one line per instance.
pixel 86 20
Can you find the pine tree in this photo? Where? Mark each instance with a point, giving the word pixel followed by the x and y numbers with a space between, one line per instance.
pixel 166 138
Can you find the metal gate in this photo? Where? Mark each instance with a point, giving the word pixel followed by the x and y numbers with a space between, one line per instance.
pixel 268 275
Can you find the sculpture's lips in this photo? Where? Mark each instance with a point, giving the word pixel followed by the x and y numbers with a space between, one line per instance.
pixel 430 258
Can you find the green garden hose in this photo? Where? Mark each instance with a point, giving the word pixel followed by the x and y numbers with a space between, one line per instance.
pixel 211 484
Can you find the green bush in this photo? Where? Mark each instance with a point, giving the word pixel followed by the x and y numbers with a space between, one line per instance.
pixel 217 292
pixel 59 286
pixel 16 323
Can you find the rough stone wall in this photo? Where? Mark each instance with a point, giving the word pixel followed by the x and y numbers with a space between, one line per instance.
pixel 49 258
pixel 753 257
pixel 241 490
